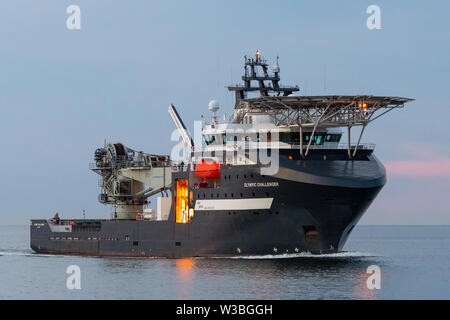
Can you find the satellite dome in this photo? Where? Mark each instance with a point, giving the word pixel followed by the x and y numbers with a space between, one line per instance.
pixel 276 68
pixel 213 106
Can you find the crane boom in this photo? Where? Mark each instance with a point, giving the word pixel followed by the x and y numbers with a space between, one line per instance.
pixel 188 142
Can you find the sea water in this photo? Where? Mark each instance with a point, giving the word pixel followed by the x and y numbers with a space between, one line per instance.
pixel 414 263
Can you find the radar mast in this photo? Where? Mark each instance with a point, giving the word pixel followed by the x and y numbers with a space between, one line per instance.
pixel 267 84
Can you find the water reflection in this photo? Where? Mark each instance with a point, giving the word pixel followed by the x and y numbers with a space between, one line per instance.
pixel 361 289
pixel 184 268
pixel 208 278
pixel 184 273
pixel 294 278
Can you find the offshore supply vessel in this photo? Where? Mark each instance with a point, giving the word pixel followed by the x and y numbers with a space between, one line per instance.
pixel 275 179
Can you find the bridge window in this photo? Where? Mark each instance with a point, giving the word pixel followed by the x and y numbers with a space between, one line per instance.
pixel 248 120
pixel 318 138
pixel 336 137
pixel 209 138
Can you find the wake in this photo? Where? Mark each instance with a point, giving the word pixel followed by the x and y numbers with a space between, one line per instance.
pixel 308 255
pixel 24 253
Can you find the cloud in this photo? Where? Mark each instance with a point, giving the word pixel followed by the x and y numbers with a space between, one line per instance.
pixel 421 161
pixel 428 168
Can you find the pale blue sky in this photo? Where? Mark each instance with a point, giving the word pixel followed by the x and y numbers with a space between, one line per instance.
pixel 63 92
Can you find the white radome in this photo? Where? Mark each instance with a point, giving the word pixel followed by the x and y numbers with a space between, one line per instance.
pixel 213 106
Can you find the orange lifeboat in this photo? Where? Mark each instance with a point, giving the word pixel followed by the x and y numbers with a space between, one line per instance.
pixel 207 169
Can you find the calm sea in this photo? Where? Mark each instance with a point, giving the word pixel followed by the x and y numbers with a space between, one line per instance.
pixel 414 263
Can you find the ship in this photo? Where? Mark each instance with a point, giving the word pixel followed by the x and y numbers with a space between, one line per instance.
pixel 273 179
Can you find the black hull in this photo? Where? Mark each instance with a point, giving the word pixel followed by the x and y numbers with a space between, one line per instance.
pixel 316 204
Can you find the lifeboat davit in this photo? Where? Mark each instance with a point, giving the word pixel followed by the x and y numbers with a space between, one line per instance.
pixel 207 169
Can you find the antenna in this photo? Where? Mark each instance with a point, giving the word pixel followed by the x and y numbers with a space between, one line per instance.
pixel 276 68
pixel 214 106
pixel 252 76
pixel 218 75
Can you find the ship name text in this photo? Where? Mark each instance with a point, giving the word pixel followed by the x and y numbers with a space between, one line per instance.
pixel 260 184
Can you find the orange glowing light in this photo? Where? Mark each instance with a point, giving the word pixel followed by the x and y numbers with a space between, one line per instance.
pixel 184 268
pixel 185 264
pixel 257 52
pixel 182 213
pixel 362 106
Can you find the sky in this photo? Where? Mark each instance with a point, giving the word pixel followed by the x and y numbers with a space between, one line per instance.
pixel 63 92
